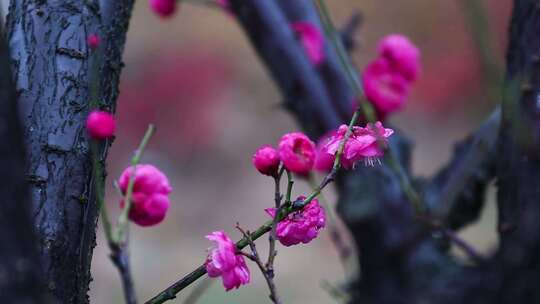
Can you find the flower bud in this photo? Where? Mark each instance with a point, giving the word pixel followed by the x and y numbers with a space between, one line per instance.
pixel 297 152
pixel 312 40
pixel 149 200
pixel 94 41
pixel 402 54
pixel 266 160
pixel 100 125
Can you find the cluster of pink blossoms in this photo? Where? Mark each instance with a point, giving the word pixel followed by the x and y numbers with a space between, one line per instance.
pixel 223 260
pixel 301 226
pixel 364 144
pixel 149 200
pixel 299 154
pixel 388 78
pixel 295 150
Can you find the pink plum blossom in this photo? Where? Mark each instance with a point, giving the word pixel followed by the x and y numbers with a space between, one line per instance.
pixel 364 144
pixel 100 125
pixel 297 152
pixel 224 261
pixel 312 40
pixel 164 8
pixel 324 161
pixel 94 41
pixel 386 88
pixel 300 226
pixel 402 54
pixel 149 201
pixel 266 160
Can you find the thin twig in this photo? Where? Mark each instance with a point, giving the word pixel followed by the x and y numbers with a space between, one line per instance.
pixel 477 21
pixel 120 257
pixel 254 256
pixel 117 241
pixel 436 225
pixel 272 235
pixel 461 243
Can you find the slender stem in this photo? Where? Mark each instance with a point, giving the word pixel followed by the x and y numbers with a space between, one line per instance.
pixel 438 226
pixel 170 292
pixel 290 183
pixel 121 227
pixel 254 256
pixel 272 236
pixel 350 71
pixel 477 20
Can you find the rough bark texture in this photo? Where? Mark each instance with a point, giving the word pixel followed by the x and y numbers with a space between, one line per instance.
pixel 51 64
pixel 20 272
pixel 518 169
pixel 400 260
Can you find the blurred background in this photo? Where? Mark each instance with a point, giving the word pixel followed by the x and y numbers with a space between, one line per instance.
pixel 196 77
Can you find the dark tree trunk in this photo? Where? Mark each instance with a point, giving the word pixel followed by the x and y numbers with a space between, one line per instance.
pixel 51 64
pixel 518 165
pixel 20 271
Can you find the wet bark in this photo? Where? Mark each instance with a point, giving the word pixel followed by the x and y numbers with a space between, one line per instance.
pixel 21 279
pixel 51 64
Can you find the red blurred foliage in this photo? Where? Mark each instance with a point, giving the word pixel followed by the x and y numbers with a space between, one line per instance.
pixel 180 92
pixel 448 80
pixel 452 73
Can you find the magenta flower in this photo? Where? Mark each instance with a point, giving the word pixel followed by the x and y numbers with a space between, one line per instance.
pixel 324 161
pixel 164 8
pixel 300 226
pixel 364 144
pixel 224 261
pixel 386 88
pixel 266 160
pixel 100 125
pixel 94 41
pixel 312 40
pixel 402 54
pixel 297 152
pixel 149 201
